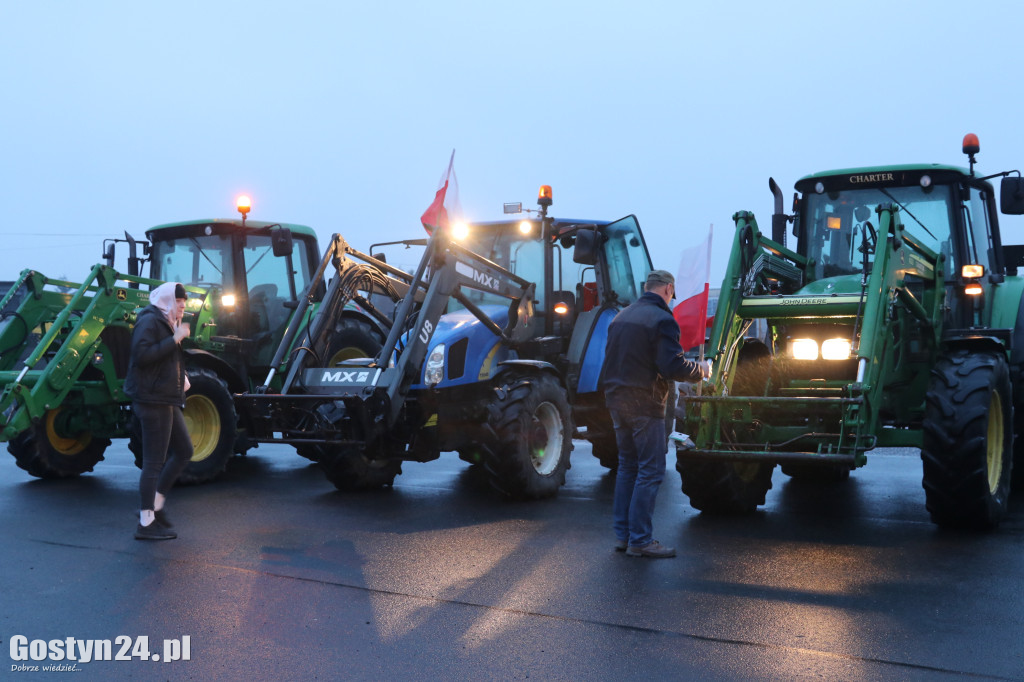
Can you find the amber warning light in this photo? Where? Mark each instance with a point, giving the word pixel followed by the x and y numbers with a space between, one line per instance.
pixel 244 204
pixel 971 144
pixel 544 197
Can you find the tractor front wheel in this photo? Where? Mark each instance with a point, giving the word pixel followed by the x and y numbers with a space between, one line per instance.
pixel 725 487
pixel 529 426
pixel 45 451
pixel 601 434
pixel 968 440
pixel 212 424
pixel 350 470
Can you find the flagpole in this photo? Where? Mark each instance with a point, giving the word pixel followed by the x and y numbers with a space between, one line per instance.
pixel 700 384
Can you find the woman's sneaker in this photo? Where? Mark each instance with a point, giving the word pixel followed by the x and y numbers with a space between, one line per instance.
pixel 161 518
pixel 154 531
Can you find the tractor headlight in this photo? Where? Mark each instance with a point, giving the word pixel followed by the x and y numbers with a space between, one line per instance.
pixel 831 349
pixel 433 372
pixel 836 349
pixel 804 349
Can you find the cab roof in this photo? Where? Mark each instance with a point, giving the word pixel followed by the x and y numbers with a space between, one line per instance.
pixel 898 168
pixel 251 226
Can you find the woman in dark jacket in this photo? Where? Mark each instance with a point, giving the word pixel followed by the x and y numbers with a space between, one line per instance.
pixel 156 382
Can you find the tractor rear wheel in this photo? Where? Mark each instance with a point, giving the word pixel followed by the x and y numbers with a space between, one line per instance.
pixel 968 440
pixel 212 423
pixel 529 426
pixel 43 451
pixel 351 339
pixel 350 470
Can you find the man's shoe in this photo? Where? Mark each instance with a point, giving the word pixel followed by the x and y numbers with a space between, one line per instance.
pixel 154 531
pixel 620 545
pixel 653 550
pixel 161 518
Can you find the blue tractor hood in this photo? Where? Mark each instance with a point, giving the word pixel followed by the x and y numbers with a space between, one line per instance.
pixel 471 350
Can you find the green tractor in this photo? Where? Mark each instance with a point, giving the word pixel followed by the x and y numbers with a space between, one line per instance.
pixel 895 322
pixel 64 346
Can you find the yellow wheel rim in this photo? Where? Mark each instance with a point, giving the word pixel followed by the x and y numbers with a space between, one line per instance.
pixel 203 423
pixel 346 353
pixel 62 444
pixel 995 443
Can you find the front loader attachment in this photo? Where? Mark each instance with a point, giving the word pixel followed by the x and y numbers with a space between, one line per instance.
pixel 837 373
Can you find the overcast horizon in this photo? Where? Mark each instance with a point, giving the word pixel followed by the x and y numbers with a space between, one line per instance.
pixel 122 115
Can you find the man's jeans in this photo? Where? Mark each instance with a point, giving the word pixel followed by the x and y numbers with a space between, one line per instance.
pixel 641 441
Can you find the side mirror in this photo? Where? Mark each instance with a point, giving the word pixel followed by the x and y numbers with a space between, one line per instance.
pixel 1011 195
pixel 587 246
pixel 281 240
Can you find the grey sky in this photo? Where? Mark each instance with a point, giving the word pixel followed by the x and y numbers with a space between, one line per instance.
pixel 122 115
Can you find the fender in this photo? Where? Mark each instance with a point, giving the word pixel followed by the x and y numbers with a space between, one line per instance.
pixel 532 364
pixel 206 360
pixel 1008 313
pixel 593 355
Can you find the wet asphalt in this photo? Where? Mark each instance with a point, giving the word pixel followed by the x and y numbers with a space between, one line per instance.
pixel 275 575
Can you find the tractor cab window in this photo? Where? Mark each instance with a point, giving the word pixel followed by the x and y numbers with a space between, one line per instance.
pixel 979 240
pixel 267 276
pixel 508 247
pixel 841 228
pixel 626 258
pixel 203 261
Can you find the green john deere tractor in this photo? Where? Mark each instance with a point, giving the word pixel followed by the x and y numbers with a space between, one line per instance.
pixel 895 322
pixel 64 345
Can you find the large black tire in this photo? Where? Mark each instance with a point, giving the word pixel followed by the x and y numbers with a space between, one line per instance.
pixel 601 434
pixel 968 440
pixel 349 470
pixel 817 473
pixel 1017 475
pixel 529 429
pixel 212 423
pixel 724 487
pixel 351 338
pixel 45 453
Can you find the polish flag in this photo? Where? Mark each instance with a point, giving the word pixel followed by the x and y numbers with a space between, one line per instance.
pixel 446 201
pixel 692 293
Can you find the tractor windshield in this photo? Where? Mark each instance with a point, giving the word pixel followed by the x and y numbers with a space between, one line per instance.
pixel 200 261
pixel 839 226
pixel 517 251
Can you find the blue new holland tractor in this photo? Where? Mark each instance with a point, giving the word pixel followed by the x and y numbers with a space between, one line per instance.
pixel 494 350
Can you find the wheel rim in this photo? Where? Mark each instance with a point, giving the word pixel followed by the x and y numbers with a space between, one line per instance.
pixel 61 444
pixel 203 423
pixel 346 353
pixel 994 443
pixel 545 439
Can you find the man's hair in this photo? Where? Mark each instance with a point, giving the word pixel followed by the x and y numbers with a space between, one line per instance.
pixel 652 285
pixel 658 278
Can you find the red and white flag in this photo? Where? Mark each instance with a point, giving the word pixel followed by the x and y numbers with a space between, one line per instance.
pixel 445 206
pixel 692 293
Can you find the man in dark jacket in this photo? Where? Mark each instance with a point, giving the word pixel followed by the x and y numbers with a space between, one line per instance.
pixel 642 356
pixel 156 382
